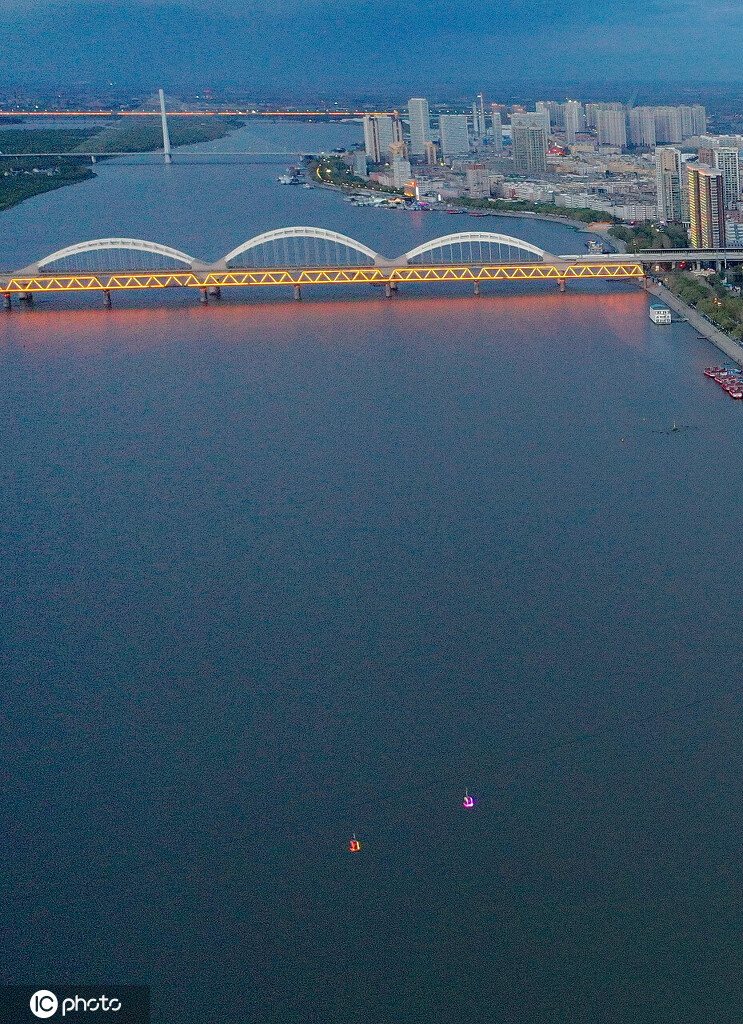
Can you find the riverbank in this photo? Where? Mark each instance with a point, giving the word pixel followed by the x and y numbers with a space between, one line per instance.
pixel 29 174
pixel 14 190
pixel 141 136
pixel 612 244
pixel 719 339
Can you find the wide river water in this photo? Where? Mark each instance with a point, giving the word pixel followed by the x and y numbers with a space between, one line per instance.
pixel 274 573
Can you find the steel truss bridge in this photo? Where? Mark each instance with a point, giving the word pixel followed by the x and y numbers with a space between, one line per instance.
pixel 299 256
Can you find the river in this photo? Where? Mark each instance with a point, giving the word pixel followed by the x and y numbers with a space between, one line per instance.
pixel 275 573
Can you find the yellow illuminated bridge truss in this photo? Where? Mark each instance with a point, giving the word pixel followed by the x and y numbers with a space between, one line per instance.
pixel 297 276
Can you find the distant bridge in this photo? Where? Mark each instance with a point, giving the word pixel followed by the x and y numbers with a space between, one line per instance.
pixel 299 256
pixel 155 152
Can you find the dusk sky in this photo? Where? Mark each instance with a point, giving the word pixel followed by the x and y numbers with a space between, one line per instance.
pixel 279 44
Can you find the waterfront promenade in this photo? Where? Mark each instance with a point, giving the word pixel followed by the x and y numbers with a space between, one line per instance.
pixel 719 339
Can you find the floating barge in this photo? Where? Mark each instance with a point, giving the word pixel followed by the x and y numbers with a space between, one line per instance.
pixel 659 313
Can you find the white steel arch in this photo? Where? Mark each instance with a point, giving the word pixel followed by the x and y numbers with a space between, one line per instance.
pixel 301 232
pixel 465 237
pixel 103 244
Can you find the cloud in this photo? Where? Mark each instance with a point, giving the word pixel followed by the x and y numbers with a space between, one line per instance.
pixel 272 45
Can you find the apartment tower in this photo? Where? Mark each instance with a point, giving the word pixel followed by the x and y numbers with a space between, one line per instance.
pixel 706 207
pixel 420 126
pixel 668 183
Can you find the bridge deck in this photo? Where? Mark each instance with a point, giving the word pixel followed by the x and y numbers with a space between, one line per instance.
pixel 129 280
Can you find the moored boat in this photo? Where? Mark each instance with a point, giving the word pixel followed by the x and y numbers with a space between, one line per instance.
pixel 729 378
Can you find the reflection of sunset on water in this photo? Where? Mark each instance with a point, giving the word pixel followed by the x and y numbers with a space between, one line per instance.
pixel 351 322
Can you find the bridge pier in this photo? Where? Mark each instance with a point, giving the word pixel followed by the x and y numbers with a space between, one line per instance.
pixel 297 292
pixel 6 301
pixel 204 297
pixel 477 288
pixel 215 291
pixel 106 298
pixel 561 285
pixel 27 297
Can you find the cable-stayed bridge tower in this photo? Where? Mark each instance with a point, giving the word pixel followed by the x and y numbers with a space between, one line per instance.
pixel 166 136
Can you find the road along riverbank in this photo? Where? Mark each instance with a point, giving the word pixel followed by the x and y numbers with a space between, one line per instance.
pixel 718 338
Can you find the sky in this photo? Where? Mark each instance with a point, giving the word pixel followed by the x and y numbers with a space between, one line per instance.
pixel 288 45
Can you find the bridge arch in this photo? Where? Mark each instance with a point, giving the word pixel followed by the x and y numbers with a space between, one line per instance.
pixel 477 247
pixel 114 254
pixel 305 246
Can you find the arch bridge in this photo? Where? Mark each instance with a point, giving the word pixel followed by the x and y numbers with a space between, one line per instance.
pixel 301 255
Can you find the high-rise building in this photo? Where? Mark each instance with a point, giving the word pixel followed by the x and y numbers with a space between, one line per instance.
pixel 592 110
pixel 380 131
pixel 420 126
pixel 642 126
pixel 497 123
pixel 544 107
pixel 726 160
pixel 371 140
pixel 668 183
pixel 555 111
pixel 706 207
pixel 529 134
pixel 398 150
pixel 478 181
pixel 684 191
pixel 693 120
pixel 612 128
pixel 698 119
pixel 400 171
pixel 478 117
pixel 455 139
pixel 687 122
pixel 542 116
pixel 706 155
pixel 667 125
pixel 575 120
pixel 431 155
pixel 359 164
